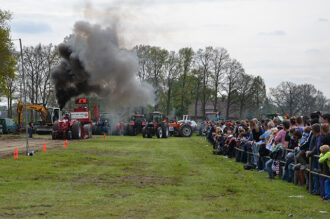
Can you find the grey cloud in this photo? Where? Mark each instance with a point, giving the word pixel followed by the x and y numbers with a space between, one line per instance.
pixel 273 33
pixel 313 51
pixel 322 20
pixel 30 27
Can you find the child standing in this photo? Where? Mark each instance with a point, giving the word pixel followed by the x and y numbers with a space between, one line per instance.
pixel 325 160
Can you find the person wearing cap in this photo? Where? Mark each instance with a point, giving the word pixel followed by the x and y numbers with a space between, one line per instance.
pixel 228 127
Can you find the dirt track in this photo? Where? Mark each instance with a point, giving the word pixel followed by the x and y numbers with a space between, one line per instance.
pixel 8 144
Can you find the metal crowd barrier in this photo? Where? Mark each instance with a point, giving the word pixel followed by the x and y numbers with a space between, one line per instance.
pixel 308 170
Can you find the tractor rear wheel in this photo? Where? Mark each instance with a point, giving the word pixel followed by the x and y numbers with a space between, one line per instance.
pixel 185 130
pixel 159 132
pixel 76 130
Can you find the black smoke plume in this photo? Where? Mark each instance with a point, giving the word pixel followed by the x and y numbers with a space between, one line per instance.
pixel 92 62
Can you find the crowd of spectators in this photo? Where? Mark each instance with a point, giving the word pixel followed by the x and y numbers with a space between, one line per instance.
pixel 280 148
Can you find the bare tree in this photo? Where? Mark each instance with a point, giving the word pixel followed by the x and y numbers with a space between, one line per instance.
pixel 244 93
pixel 321 101
pixel 307 98
pixel 143 53
pixel 219 61
pixel 231 82
pixel 298 99
pixel 46 88
pixel 286 97
pixel 38 63
pixel 204 58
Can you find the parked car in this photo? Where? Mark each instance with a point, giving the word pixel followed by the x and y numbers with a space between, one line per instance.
pixel 8 126
pixel 1 130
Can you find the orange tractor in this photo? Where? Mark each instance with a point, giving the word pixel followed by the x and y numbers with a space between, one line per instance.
pixel 181 129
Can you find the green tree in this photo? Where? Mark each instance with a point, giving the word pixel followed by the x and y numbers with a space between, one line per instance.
pixel 7 56
pixel 197 75
pixel 155 69
pixel 172 70
pixel 186 57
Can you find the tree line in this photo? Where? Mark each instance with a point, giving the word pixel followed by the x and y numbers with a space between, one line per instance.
pixel 207 75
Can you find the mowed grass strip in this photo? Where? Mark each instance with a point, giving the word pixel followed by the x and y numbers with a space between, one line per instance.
pixel 145 178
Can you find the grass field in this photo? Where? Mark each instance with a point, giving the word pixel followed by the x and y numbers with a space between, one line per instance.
pixel 135 177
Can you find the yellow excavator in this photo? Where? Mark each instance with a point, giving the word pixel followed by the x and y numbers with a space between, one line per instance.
pixel 48 116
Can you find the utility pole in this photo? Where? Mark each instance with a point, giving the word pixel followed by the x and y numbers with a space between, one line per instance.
pixel 24 88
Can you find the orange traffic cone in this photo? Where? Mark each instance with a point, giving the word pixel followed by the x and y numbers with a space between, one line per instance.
pixel 104 136
pixel 66 143
pixel 15 153
pixel 44 149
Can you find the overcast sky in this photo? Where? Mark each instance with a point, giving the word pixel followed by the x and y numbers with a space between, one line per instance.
pixel 277 39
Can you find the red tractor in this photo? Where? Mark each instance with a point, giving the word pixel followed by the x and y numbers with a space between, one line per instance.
pixel 155 126
pixel 75 125
pixel 136 124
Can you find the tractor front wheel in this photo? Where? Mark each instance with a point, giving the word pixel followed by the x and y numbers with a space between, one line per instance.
pixel 131 130
pixel 159 132
pixel 165 131
pixel 144 133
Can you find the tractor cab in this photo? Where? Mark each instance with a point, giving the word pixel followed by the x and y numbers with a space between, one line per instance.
pixel 137 119
pixel 53 115
pixel 155 117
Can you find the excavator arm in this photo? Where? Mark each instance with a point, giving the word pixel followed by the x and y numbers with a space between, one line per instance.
pixel 20 109
pixel 39 108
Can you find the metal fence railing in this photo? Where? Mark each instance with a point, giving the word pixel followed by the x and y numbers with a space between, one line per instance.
pixel 308 170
